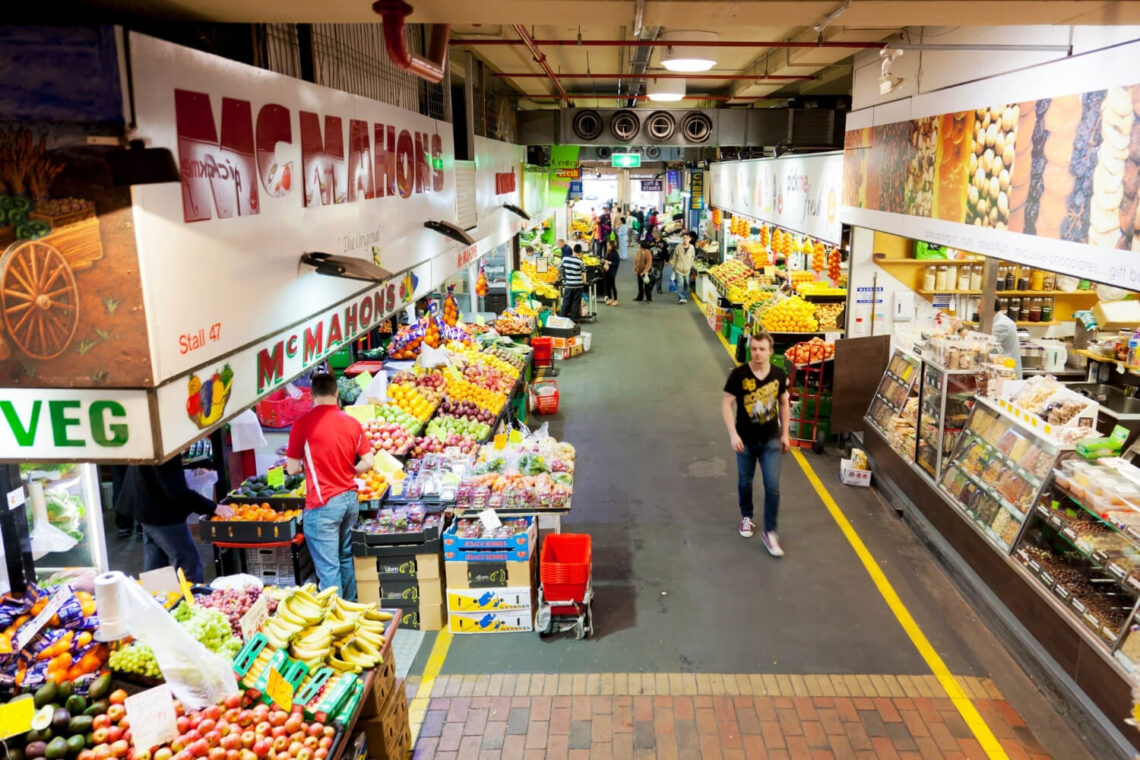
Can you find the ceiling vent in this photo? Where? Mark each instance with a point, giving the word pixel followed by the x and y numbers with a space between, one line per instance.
pixel 696 127
pixel 624 126
pixel 661 125
pixel 587 125
pixel 653 153
pixel 641 127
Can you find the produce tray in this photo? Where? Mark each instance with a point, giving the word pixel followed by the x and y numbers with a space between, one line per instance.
pixel 380 539
pixel 277 502
pixel 396 550
pixel 248 532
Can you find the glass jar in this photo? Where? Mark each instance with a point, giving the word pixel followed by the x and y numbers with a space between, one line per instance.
pixel 975 278
pixel 1036 280
pixel 1046 309
pixel 929 278
pixel 1010 278
pixel 963 278
pixel 1024 313
pixel 975 305
pixel 1035 310
pixel 1014 310
pixel 1023 281
pixel 941 283
pixel 1050 282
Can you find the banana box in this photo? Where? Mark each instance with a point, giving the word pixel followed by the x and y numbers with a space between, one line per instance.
pixel 500 621
pixel 490 599
pixel 474 575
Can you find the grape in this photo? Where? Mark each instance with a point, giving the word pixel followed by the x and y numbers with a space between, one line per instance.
pixel 208 626
pixel 234 603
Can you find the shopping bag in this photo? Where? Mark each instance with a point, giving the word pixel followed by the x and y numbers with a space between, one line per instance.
pixel 673 283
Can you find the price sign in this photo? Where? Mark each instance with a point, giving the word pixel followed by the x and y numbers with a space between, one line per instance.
pixel 361 412
pixel 16 716
pixel 500 442
pixel 279 690
pixel 152 717
pixel 161 581
pixel 275 477
pixel 16 498
pixel 27 632
pixel 1078 605
pixel 1117 570
pixel 1034 566
pixel 363 379
pixel 1061 591
pixel 479 320
pixel 250 622
pixel 1048 579
pixel 184 584
pixel 490 519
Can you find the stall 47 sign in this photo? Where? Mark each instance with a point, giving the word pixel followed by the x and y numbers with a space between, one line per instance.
pixel 74 425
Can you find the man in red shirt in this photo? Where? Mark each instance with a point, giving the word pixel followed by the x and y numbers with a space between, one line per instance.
pixel 331 448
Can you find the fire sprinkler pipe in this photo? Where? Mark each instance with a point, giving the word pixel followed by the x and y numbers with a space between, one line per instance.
pixel 393 13
pixel 664 103
pixel 677 43
pixel 540 59
pixel 654 75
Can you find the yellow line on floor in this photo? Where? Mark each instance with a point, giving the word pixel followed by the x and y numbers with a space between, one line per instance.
pixel 949 683
pixel 419 704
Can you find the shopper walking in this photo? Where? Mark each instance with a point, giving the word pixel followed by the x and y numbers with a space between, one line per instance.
pixel 758 432
pixel 160 499
pixel 613 259
pixel 651 222
pixel 639 215
pixel 683 257
pixel 621 235
pixel 330 447
pixel 660 257
pixel 643 269
pixel 573 283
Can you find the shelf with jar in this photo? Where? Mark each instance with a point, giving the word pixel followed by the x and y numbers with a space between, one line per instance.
pixel 894 407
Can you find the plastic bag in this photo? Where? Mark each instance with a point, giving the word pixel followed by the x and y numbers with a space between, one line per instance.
pixel 239 580
pixel 46 538
pixel 673 283
pixel 197 676
pixel 432 358
pixel 202 481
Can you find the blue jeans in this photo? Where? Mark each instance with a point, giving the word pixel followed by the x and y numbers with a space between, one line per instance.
pixel 682 285
pixel 172 545
pixel 768 453
pixel 328 532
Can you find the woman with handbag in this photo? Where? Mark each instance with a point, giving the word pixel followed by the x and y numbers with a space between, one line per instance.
pixel 610 267
pixel 643 267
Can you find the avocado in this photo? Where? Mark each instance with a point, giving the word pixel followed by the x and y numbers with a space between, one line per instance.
pixel 80 724
pixel 65 691
pixel 60 720
pixel 42 717
pixel 76 744
pixel 100 687
pixel 35 750
pixel 15 753
pixel 97 708
pixel 75 704
pixel 56 749
pixel 45 694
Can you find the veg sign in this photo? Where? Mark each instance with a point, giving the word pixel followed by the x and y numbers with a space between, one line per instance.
pixel 74 425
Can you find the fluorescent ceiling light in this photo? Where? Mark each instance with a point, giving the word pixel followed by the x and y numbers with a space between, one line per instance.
pixel 688 57
pixel 665 90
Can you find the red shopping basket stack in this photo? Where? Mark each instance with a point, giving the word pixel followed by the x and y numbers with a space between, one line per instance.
pixel 543 351
pixel 279 409
pixel 564 570
pixel 544 397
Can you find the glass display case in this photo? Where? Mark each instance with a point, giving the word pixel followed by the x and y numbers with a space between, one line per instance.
pixel 65 517
pixel 996 472
pixel 946 397
pixel 894 408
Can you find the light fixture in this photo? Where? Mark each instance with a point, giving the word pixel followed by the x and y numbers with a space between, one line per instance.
pixel 512 207
pixel 888 82
pixel 665 90
pixel 688 57
pixel 450 230
pixel 344 266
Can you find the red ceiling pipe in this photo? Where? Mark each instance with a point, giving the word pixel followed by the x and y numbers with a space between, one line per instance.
pixel 646 97
pixel 393 13
pixel 540 59
pixel 649 75
pixel 675 43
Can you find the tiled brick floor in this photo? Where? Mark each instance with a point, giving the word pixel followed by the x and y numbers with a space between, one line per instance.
pixel 635 715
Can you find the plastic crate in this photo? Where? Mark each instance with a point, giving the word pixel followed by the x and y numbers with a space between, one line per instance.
pixel 544 397
pixel 564 566
pixel 279 409
pixel 543 348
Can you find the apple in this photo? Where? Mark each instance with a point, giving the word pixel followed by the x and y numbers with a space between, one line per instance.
pixel 261 747
pixel 163 753
pixel 114 733
pixel 102 735
pixel 247 739
pixel 281 743
pixel 216 753
pixel 232 701
pixel 119 748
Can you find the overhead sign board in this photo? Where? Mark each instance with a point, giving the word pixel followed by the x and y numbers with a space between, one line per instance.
pixel 626 160
pixel 651 186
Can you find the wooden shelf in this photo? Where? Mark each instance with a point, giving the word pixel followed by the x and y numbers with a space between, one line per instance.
pixel 927 262
pixel 937 292
pixel 1054 293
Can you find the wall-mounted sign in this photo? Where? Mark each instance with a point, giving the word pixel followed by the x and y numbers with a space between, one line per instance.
pixel 74 425
pixel 651 185
pixel 697 191
pixel 575 193
pixel 626 160
pixel 799 193
pixel 569 174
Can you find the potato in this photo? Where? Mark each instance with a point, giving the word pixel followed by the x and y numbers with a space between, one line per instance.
pixel 973 163
pixel 983 206
pixel 972 195
pixel 988 161
pixel 980 179
pixel 999 143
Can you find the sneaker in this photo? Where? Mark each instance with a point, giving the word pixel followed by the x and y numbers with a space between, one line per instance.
pixel 124 532
pixel 747 527
pixel 683 300
pixel 772 543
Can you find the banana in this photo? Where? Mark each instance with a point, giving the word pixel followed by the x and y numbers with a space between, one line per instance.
pixel 375 639
pixel 365 646
pixel 310 612
pixel 342 626
pixel 341 666
pixel 352 653
pixel 352 607
pixel 377 615
pixel 303 654
pixel 286 613
pixel 327 594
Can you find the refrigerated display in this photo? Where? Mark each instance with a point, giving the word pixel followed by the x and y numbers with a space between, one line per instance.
pixel 893 410
pixel 946 398
pixel 65 517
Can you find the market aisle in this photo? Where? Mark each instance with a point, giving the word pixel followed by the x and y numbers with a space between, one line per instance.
pixel 702 640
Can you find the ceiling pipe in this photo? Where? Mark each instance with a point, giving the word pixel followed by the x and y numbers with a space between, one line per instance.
pixel 829 18
pixel 638 17
pixel 646 97
pixel 393 13
pixel 540 59
pixel 655 75
pixel 672 43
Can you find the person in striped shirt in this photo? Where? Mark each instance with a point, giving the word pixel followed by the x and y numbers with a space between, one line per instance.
pixel 573 283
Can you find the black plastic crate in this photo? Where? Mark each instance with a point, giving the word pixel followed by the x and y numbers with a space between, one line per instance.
pixel 247 532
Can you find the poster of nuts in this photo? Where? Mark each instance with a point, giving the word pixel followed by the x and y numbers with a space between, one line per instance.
pixel 990 166
pixel 920 172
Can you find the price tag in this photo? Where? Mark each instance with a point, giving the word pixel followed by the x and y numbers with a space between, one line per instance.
pixel 152 717
pixel 479 320
pixel 1092 620
pixel 1048 579
pixel 1044 512
pixel 1061 591
pixel 275 477
pixel 1070 534
pixel 28 631
pixel 1034 566
pixel 279 690
pixel 364 379
pixel 490 519
pixel 1116 570
pixel 515 436
pixel 361 412
pixel 250 623
pixel 160 581
pixel 16 498
pixel 1078 605
pixel 16 716
pixel 500 442
pixel 1134 582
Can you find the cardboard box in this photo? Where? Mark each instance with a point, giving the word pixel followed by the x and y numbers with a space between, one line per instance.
pixel 383 685
pixel 424 617
pixel 503 621
pixel 558 342
pixel 561 354
pixel 365 568
pixel 388 734
pixel 852 477
pixel 368 591
pixel 486 599
pixel 461 575
pixel 456 547
pixel 428 591
pixel 576 350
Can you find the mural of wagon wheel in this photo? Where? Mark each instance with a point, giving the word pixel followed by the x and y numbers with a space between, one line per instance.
pixel 40 299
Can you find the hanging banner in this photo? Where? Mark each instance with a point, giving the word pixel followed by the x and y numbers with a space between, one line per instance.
pixel 1050 182
pixel 696 191
pixel 799 193
pixel 672 181
pixel 562 158
pixel 271 167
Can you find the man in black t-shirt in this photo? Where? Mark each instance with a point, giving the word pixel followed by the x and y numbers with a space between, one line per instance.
pixel 758 430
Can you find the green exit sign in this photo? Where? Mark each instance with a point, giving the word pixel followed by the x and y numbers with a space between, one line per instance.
pixel 626 160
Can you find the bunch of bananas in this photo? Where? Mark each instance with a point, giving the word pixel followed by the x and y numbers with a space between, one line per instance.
pixel 323 629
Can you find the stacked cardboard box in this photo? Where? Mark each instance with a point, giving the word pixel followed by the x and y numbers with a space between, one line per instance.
pixel 491 582
pixel 409 580
pixel 384 719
